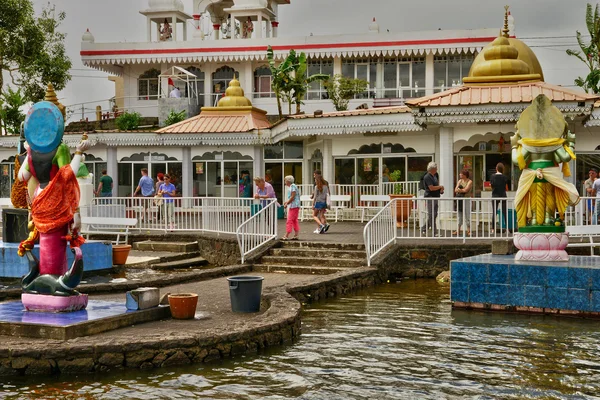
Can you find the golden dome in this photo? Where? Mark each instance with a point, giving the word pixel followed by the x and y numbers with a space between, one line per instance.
pixel 234 96
pixel 504 60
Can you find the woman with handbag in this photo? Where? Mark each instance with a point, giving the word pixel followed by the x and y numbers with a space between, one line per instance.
pixel 463 188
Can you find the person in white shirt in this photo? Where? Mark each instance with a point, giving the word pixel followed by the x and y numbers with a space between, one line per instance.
pixel 175 93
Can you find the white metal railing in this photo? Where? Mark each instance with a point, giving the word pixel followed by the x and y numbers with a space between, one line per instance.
pixel 409 187
pixel 441 218
pixel 259 229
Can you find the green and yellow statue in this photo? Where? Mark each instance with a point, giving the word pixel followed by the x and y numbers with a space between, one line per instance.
pixel 542 142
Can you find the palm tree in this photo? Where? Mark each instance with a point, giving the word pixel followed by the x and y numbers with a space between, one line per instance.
pixel 281 76
pixel 301 80
pixel 589 51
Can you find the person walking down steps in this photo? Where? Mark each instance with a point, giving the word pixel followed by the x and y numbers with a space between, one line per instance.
pixel 320 205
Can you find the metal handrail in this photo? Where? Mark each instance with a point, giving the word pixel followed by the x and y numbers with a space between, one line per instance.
pixel 259 229
pixel 386 217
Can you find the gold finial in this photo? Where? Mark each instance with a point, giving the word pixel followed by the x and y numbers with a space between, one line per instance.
pixel 234 96
pixel 505 30
pixel 51 97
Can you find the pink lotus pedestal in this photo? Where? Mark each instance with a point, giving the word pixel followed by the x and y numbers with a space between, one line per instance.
pixel 541 246
pixel 54 304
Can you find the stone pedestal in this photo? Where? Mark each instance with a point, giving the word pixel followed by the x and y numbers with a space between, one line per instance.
pixel 14 225
pixel 541 246
pixel 54 304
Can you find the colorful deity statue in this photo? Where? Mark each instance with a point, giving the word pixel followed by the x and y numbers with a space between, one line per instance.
pixel 53 197
pixel 541 143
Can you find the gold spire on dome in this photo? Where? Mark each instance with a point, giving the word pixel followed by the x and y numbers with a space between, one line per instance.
pixel 51 97
pixel 502 63
pixel 234 96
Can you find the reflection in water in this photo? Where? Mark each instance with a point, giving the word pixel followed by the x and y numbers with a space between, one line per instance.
pixel 397 341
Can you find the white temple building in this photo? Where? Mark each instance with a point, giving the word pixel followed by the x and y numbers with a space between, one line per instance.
pixel 432 95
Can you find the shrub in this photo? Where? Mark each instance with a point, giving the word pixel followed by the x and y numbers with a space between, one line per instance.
pixel 128 121
pixel 175 117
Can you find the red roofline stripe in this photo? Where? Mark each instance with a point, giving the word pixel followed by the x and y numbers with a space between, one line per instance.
pixel 315 46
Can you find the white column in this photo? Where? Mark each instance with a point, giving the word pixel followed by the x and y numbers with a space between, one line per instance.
pixel 337 65
pixel 268 30
pixel 232 27
pixel 429 84
pixel 186 173
pixel 149 28
pixel 216 29
pixel 208 86
pixel 184 30
pixel 445 160
pixel 275 25
pixel 247 80
pixel 328 161
pixel 112 169
pixel 259 30
pixel 174 28
pixel 259 164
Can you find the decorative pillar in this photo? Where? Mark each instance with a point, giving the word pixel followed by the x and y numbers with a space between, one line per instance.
pixel 112 167
pixel 232 27
pixel 208 86
pixel 268 29
pixel 174 29
pixel 186 173
pixel 337 65
pixel 429 84
pixel 196 21
pixel 275 25
pixel 184 31
pixel 445 160
pixel 259 31
pixel 327 161
pixel 259 163
pixel 149 29
pixel 216 29
pixel 247 82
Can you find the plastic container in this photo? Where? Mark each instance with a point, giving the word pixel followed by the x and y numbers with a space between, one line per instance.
pixel 245 293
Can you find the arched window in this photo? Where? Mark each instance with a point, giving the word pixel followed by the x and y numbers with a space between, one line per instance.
pixel 198 82
pixel 262 82
pixel 221 78
pixel 148 85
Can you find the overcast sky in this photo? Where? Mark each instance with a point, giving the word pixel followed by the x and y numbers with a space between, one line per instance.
pixel 545 25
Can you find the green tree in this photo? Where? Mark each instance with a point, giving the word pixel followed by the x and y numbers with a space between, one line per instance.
pixel 32 50
pixel 128 121
pixel 175 117
pixel 301 80
pixel 589 51
pixel 10 103
pixel 341 89
pixel 281 77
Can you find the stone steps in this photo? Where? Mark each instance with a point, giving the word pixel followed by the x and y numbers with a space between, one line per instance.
pixel 183 263
pixel 310 260
pixel 296 257
pixel 321 253
pixel 319 245
pixel 294 269
pixel 174 247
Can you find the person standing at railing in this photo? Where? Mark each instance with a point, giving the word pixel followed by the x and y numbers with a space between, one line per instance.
pixel 264 190
pixel 293 207
pixel 105 187
pixel 146 186
pixel 463 188
pixel 320 194
pixel 434 191
pixel 167 191
pixel 160 179
pixel 498 183
pixel 596 192
pixel 588 185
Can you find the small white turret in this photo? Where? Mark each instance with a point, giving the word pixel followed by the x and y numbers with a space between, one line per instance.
pixel 374 26
pixel 87 37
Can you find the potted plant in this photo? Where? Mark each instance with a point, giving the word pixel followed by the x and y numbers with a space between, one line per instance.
pixel 403 207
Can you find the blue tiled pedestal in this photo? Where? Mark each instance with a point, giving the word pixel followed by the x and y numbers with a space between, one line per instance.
pixel 500 283
pixel 97 255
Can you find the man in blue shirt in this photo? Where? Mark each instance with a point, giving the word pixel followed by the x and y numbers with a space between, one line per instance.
pixel 146 186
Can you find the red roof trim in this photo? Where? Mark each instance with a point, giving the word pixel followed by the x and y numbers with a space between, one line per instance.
pixel 315 46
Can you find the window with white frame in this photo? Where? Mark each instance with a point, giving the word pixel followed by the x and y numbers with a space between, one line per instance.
pixel 316 89
pixel 403 77
pixel 262 82
pixel 448 71
pixel 362 68
pixel 148 85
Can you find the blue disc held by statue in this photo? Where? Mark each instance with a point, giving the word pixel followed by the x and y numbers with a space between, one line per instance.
pixel 44 127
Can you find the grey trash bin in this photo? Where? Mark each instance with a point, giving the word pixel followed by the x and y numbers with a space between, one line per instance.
pixel 245 293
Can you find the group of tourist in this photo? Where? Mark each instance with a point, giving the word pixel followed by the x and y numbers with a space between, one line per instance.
pixel 592 189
